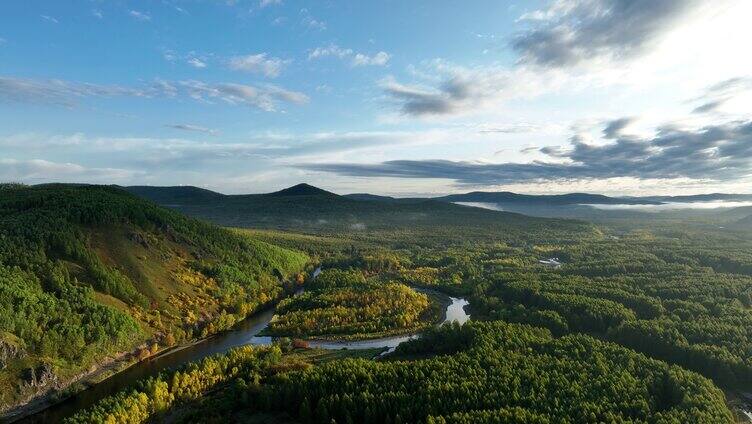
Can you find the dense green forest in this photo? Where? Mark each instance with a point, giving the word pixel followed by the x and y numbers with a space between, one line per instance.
pixel 675 293
pixel 90 274
pixel 343 303
pixel 643 321
pixel 484 372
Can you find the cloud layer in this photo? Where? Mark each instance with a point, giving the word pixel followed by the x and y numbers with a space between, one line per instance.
pixel 461 90
pixel 259 63
pixel 194 128
pixel 265 97
pixel 575 31
pixel 39 170
pixel 721 93
pixel 718 152
pixel 356 59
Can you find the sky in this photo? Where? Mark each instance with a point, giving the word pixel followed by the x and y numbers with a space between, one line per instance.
pixel 404 98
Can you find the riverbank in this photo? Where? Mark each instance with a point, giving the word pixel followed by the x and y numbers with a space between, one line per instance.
pixel 108 370
pixel 246 332
pixel 67 389
pixel 740 403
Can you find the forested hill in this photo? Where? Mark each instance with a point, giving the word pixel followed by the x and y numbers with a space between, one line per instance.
pixel 93 272
pixel 307 208
pixel 175 194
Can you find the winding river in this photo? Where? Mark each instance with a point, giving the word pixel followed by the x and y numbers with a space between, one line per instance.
pixel 244 333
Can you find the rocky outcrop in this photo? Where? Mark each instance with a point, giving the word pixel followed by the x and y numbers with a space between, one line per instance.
pixel 11 348
pixel 38 378
pixel 140 239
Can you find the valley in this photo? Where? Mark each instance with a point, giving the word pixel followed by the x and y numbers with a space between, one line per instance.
pixel 664 310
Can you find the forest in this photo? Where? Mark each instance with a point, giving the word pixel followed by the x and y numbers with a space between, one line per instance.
pixel 89 273
pixel 645 322
pixel 490 372
pixel 343 303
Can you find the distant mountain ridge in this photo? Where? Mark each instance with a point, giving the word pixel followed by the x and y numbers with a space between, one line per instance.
pixel 304 207
pixel 547 199
pixel 175 194
pixel 192 194
pixel 371 197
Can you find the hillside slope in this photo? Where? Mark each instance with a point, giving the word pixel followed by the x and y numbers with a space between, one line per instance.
pixel 745 222
pixel 90 273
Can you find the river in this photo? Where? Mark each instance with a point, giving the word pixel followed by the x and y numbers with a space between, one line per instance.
pixel 244 333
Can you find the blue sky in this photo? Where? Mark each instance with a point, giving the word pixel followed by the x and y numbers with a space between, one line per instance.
pixel 391 97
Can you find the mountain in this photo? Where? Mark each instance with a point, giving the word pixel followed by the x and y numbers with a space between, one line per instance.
pixel 92 277
pixel 308 208
pixel 302 189
pixel 557 199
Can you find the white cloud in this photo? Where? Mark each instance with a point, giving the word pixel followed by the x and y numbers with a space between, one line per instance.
pixel 379 59
pixel 356 59
pixel 265 3
pixel 140 16
pixel 40 171
pixel 315 24
pixel 197 63
pixel 258 63
pixel 170 56
pixel 265 97
pixel 330 50
pixel 691 51
pixel 175 153
pixel 194 59
pixel 49 19
pixel 511 128
pixel 310 21
pixel 97 13
pixel 59 92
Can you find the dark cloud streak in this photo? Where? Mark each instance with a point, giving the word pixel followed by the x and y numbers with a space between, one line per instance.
pixel 719 152
pixel 719 94
pixel 614 128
